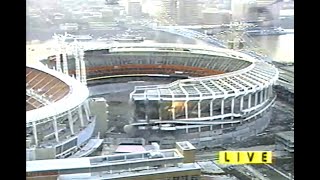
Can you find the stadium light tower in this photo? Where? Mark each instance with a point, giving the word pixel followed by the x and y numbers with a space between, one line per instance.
pixel 62 47
pixel 78 53
pixel 77 59
pixel 58 52
pixel 82 66
pixel 64 55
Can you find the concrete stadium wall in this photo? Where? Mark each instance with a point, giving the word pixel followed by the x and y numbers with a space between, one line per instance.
pixel 217 137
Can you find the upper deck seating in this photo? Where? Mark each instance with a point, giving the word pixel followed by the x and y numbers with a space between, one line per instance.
pixel 45 85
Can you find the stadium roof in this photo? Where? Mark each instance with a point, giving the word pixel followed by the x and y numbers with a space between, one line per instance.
pixel 77 95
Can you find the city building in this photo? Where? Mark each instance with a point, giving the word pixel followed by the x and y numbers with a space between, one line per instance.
pixel 112 2
pixel 164 164
pixel 213 16
pixel 263 10
pixel 227 4
pixel 99 107
pixel 240 9
pixel 169 10
pixel 180 12
pixel 69 27
pixel 134 8
pixel 99 25
pixel 109 13
pixel 189 12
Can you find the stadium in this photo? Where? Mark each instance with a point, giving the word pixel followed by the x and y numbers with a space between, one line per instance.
pixel 58 117
pixel 215 95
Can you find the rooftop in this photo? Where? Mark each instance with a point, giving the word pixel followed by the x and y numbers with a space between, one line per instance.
pixel 78 93
pixel 210 167
pixel 130 148
pixel 185 145
pixel 145 172
pixel 113 162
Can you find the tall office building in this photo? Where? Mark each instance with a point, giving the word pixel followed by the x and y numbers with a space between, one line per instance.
pixel 134 8
pixel 273 8
pixel 169 10
pixel 181 12
pixel 227 4
pixel 213 16
pixel 240 9
pixel 188 12
pixel 266 11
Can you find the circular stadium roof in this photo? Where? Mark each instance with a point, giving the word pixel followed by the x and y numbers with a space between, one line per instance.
pixel 77 93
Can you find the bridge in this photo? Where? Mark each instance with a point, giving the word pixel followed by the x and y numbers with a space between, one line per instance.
pixel 198 26
pixel 192 34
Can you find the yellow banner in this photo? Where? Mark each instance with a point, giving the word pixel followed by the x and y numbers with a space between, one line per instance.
pixel 245 157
